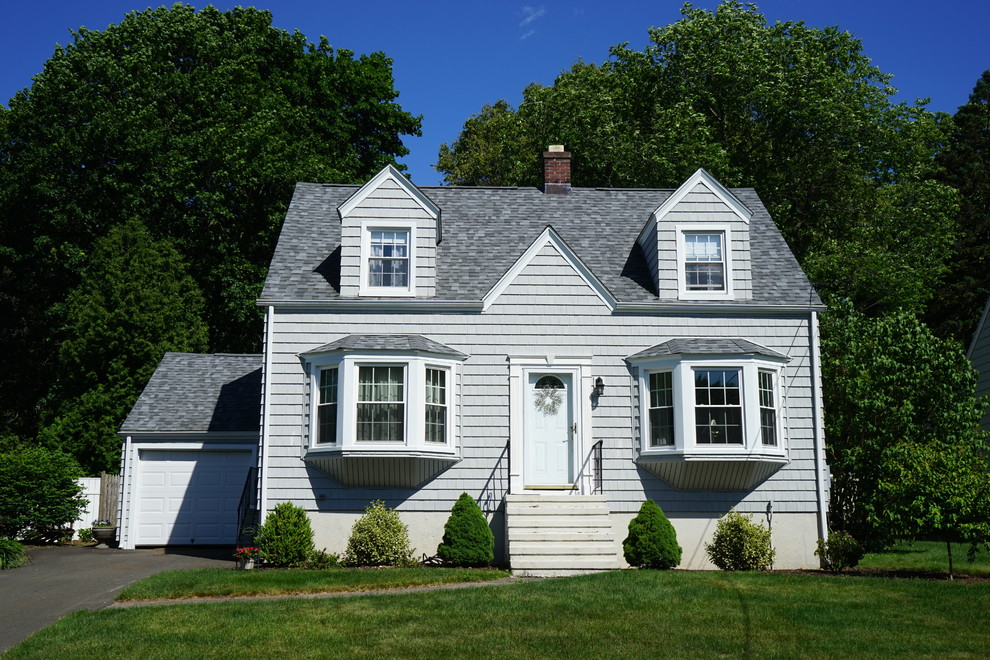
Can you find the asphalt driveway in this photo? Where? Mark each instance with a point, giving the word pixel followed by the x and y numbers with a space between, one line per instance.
pixel 60 580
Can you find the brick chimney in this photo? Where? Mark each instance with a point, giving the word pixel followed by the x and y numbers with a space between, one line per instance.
pixel 556 170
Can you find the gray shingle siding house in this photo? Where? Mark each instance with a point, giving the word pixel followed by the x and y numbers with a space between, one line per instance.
pixel 559 354
pixel 979 355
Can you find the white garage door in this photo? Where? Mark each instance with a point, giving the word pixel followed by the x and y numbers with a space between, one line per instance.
pixel 189 497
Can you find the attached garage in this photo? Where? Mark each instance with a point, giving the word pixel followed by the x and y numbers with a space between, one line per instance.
pixel 189 497
pixel 190 446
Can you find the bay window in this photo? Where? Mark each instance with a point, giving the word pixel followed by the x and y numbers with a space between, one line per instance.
pixel 710 416
pixel 381 404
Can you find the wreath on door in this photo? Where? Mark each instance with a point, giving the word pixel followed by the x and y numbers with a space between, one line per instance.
pixel 547 396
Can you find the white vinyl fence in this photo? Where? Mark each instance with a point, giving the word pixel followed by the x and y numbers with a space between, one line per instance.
pixel 91 491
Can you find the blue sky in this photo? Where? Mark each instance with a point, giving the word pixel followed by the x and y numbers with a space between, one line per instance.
pixel 453 57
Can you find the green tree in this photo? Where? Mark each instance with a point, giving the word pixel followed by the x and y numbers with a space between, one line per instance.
pixel 955 311
pixel 896 393
pixel 135 302
pixel 198 122
pixel 938 490
pixel 798 113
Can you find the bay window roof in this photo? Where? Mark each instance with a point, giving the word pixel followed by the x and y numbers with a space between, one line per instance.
pixel 378 343
pixel 706 346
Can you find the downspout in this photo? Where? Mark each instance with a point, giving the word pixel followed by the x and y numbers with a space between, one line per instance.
pixel 818 425
pixel 127 478
pixel 265 417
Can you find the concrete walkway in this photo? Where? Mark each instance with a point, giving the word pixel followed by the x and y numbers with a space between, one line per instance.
pixel 60 580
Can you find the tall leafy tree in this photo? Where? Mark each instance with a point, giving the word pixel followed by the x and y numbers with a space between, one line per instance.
pixel 135 302
pixel 955 311
pixel 199 123
pixel 902 417
pixel 797 112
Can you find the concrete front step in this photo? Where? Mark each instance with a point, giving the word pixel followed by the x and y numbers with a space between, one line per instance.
pixel 551 535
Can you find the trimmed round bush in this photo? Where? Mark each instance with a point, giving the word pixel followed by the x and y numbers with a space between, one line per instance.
pixel 378 538
pixel 652 541
pixel 740 544
pixel 39 495
pixel 839 552
pixel 467 538
pixel 286 538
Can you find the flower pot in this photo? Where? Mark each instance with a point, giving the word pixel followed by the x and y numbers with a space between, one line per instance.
pixel 106 536
pixel 245 564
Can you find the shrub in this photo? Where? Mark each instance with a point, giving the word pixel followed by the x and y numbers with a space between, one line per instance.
pixel 740 544
pixel 286 538
pixel 378 538
pixel 467 538
pixel 652 541
pixel 321 560
pixel 839 552
pixel 11 554
pixel 39 495
pixel 86 534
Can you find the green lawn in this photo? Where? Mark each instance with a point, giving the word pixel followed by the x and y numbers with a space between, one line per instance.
pixel 621 614
pixel 213 582
pixel 928 556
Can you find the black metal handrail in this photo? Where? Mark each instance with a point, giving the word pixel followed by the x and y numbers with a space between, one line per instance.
pixel 247 508
pixel 596 468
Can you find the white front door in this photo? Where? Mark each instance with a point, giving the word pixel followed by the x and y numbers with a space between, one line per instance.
pixel 550 433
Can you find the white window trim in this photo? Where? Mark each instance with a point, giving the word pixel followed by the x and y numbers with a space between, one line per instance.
pixel 685 441
pixel 683 293
pixel 367 226
pixel 414 372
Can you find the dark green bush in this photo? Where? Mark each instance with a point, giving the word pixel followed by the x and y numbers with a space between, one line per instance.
pixel 286 538
pixel 321 560
pixel 11 554
pixel 467 538
pixel 652 541
pixel 839 552
pixel 39 495
pixel 379 538
pixel 740 544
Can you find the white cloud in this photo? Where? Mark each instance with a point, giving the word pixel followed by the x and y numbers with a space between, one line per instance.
pixel 527 35
pixel 531 14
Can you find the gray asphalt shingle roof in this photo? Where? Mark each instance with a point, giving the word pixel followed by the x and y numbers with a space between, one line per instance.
pixel 387 343
pixel 200 393
pixel 706 346
pixel 485 230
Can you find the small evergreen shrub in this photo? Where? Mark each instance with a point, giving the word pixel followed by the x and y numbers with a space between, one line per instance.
pixel 467 538
pixel 652 541
pixel 286 538
pixel 839 552
pixel 11 554
pixel 740 544
pixel 321 560
pixel 378 538
pixel 39 495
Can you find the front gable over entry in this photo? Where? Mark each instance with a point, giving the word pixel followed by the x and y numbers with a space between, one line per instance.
pixel 549 238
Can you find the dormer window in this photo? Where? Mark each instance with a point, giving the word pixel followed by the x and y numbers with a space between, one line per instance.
pixel 388 259
pixel 388 263
pixel 704 264
pixel 704 267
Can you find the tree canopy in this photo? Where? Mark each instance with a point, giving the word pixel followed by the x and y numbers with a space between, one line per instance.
pixel 135 302
pixel 798 113
pixel 905 445
pixel 955 311
pixel 199 124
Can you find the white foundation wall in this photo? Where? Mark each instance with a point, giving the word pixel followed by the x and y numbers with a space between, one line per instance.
pixel 794 538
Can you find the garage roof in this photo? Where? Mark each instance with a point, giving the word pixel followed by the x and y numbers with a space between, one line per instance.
pixel 218 393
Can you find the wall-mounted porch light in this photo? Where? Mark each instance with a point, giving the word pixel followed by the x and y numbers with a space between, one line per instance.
pixel 599 387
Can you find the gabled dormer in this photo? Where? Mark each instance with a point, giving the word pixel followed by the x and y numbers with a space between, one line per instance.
pixel 389 236
pixel 697 243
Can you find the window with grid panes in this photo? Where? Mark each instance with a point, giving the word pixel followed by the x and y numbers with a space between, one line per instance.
pixel 718 407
